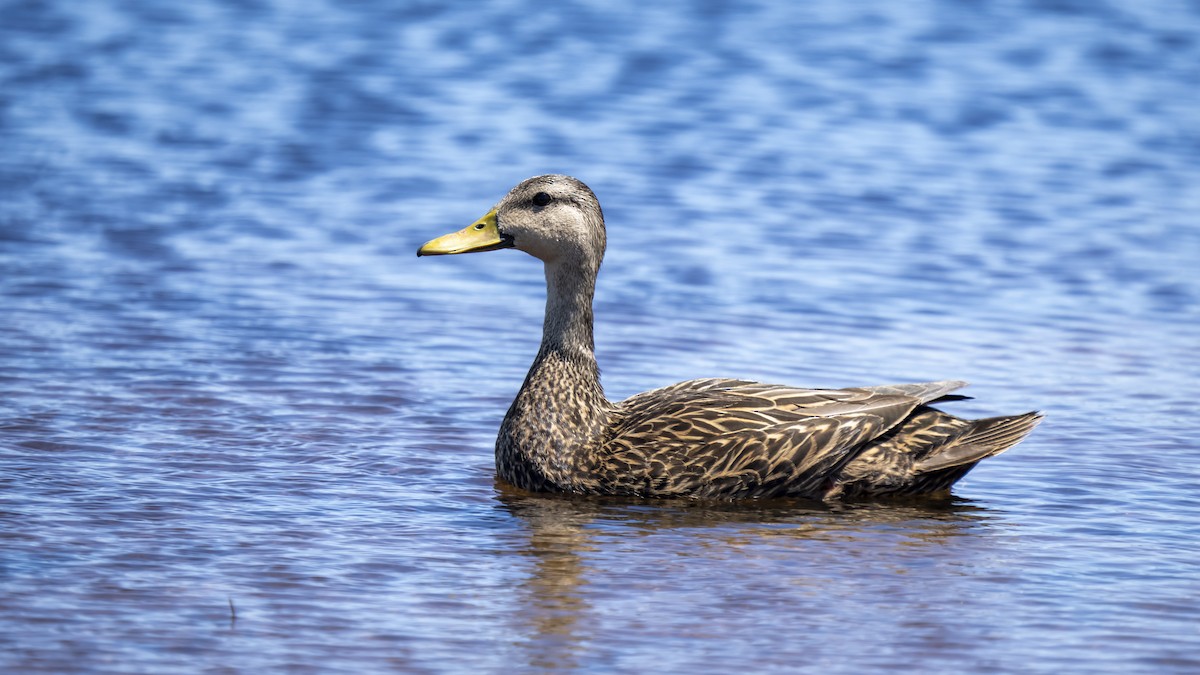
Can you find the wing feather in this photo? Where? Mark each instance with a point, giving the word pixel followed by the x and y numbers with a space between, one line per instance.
pixel 708 437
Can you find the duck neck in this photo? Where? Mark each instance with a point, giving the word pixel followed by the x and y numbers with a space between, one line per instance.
pixel 560 410
pixel 568 324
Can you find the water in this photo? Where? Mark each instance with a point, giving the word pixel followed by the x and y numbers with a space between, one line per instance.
pixel 243 428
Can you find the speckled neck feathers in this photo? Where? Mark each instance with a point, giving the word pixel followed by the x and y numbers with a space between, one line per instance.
pixel 560 412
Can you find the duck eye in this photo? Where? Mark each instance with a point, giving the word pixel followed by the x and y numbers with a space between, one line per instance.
pixel 541 199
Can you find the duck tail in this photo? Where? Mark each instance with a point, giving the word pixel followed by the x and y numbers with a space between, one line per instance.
pixel 984 438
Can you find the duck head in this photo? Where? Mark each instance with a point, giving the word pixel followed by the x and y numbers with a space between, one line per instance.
pixel 553 218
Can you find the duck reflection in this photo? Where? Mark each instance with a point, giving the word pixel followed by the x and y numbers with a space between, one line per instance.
pixel 580 544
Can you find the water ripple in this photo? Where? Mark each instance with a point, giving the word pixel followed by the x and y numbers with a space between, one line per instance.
pixel 241 426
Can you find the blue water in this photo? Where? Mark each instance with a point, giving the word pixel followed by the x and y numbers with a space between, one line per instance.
pixel 243 428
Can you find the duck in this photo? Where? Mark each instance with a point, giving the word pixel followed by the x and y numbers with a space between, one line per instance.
pixel 710 438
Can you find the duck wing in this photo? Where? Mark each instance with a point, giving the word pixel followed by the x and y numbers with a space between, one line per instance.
pixel 724 438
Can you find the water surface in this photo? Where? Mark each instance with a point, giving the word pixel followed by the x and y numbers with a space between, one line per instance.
pixel 243 428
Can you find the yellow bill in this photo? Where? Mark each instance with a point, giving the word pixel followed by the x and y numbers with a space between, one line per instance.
pixel 482 235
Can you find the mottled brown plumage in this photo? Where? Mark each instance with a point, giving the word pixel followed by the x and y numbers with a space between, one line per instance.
pixel 709 438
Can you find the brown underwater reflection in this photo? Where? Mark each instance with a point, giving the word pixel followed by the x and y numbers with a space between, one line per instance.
pixel 597 550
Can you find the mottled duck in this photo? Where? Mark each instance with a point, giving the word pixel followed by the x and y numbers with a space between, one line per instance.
pixel 709 438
